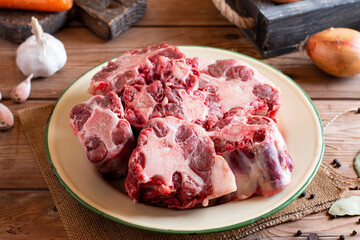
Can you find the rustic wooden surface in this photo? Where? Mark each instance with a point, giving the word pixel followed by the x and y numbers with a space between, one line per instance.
pixel 26 208
pixel 108 19
pixel 279 28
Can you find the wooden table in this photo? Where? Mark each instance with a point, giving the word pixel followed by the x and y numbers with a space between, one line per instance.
pixel 26 208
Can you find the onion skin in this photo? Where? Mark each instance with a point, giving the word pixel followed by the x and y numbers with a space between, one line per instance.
pixel 336 51
pixel 285 1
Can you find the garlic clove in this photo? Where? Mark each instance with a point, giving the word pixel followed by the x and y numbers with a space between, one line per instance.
pixel 6 118
pixel 41 54
pixel 22 91
pixel 336 51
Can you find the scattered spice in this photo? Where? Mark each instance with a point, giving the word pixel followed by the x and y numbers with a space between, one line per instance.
pixel 342 237
pixel 313 236
pixel 346 206
pixel 332 217
pixel 357 164
pixel 356 188
pixel 335 161
pixel 354 233
pixel 312 196
pixel 298 233
pixel 338 165
pixel 358 110
pixel 303 194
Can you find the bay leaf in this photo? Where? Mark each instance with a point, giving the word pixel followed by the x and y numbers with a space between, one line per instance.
pixel 346 206
pixel 357 164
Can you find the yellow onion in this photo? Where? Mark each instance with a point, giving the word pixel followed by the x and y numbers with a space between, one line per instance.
pixel 336 51
pixel 285 1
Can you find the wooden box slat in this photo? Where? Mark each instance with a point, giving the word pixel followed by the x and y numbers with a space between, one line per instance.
pixel 280 28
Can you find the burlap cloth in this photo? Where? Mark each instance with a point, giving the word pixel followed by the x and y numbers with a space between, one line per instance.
pixel 81 223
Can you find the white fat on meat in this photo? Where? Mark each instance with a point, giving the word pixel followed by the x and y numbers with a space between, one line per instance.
pixel 234 92
pixel 101 123
pixel 194 106
pixel 164 157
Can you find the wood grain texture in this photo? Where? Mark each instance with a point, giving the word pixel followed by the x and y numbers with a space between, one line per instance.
pixel 18 168
pixel 108 19
pixel 280 28
pixel 185 13
pixel 29 215
pixel 15 24
pixel 86 50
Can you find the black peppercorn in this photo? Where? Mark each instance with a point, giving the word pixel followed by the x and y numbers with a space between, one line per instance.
pixel 332 217
pixel 303 194
pixel 358 110
pixel 338 165
pixel 335 161
pixel 312 196
pixel 298 233
pixel 342 237
pixel 356 188
pixel 313 236
pixel 354 233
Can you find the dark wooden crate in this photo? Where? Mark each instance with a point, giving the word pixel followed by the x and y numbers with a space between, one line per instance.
pixel 280 28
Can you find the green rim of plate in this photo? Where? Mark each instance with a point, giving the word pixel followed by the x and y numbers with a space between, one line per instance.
pixel 212 230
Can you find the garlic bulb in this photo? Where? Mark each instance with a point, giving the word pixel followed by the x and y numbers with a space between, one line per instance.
pixel 41 54
pixel 6 118
pixel 22 91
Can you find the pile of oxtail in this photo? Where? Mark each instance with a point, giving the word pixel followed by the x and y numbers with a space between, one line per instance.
pixel 184 130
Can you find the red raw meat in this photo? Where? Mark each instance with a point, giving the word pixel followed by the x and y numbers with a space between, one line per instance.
pixel 242 89
pixel 160 62
pixel 175 165
pixel 106 137
pixel 256 153
pixel 144 102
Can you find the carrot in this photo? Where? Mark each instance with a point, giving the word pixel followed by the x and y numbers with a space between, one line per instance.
pixel 38 5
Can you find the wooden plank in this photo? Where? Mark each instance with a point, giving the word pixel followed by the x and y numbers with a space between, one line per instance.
pixel 108 19
pixel 279 28
pixel 15 24
pixel 184 13
pixel 85 50
pixel 32 215
pixel 315 82
pixel 17 159
pixel 17 166
pixel 29 215
pixel 290 30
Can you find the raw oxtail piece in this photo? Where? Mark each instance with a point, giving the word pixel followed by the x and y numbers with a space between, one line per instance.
pixel 174 165
pixel 106 137
pixel 143 66
pixel 242 89
pixel 256 153
pixel 144 102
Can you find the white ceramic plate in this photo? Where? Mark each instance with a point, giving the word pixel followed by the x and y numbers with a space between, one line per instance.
pixel 298 120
